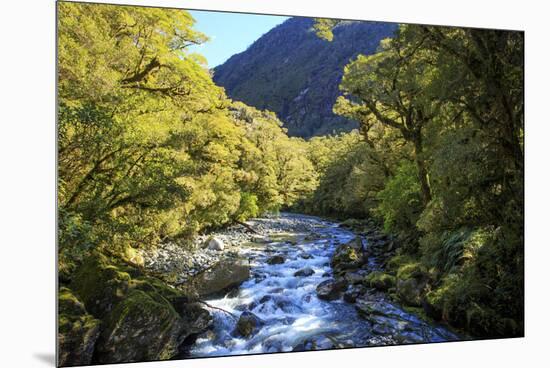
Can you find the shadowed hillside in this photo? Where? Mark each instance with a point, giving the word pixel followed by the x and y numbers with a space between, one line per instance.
pixel 292 72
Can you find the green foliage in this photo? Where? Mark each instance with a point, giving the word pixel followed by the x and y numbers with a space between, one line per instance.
pixel 379 280
pixel 400 200
pixel 454 168
pixel 149 147
pixel 248 207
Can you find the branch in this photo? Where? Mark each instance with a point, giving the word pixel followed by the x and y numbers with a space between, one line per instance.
pixel 248 227
pixel 220 309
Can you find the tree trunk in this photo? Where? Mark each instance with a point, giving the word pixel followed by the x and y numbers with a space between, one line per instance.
pixel 422 171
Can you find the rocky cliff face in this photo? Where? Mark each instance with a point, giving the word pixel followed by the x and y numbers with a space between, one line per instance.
pixel 292 72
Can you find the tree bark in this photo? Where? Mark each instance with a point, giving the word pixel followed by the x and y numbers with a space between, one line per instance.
pixel 422 170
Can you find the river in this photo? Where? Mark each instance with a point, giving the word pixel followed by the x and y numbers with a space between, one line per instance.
pixel 292 317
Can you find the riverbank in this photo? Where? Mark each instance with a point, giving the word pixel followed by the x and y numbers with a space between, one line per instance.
pixel 181 264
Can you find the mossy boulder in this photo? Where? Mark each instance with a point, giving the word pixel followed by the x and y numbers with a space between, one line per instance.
pixel 411 283
pixel 143 317
pixel 379 280
pixel 144 326
pixel 348 256
pixel 101 284
pixel 77 331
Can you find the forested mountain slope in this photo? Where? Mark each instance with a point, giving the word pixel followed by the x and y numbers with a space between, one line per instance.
pixel 294 73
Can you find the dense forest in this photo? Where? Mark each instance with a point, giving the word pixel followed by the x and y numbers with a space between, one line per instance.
pixel 151 150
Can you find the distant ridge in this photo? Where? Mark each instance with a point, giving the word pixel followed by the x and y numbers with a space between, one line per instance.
pixel 292 72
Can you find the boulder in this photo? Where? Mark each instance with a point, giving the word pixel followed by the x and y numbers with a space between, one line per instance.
pixel 331 289
pixel 275 260
pixel 100 284
pixel 411 291
pixel 308 271
pixel 216 244
pixel 77 332
pixel 355 278
pixel 348 256
pixel 223 277
pixel 379 280
pixel 412 280
pixel 354 292
pixel 142 327
pixel 305 256
pixel 248 324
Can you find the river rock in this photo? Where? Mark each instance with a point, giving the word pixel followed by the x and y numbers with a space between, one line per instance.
pixel 305 256
pixel 226 275
pixel 260 239
pixel 355 292
pixel 369 309
pixel 308 271
pixel 411 291
pixel 331 289
pixel 78 331
pixel 275 260
pixel 248 324
pixel 216 244
pixel 348 256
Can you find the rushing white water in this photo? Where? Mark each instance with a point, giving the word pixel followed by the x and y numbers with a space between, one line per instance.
pixel 293 317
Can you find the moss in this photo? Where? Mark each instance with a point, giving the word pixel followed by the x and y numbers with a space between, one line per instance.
pixel 397 261
pixel 379 280
pixel 100 284
pixel 419 312
pixel 411 270
pixel 144 326
pixel 77 330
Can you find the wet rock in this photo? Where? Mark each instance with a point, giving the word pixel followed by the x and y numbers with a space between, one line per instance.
pixel 355 278
pixel 308 271
pixel 305 256
pixel 275 260
pixel 384 329
pixel 216 244
pixel 331 289
pixel 78 331
pixel 312 236
pixel 266 298
pixel 355 292
pixel 248 324
pixel 320 342
pixel 369 309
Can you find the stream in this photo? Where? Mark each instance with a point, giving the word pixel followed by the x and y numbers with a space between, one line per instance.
pixel 292 317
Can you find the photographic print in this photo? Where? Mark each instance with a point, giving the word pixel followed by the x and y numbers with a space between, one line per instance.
pixel 233 184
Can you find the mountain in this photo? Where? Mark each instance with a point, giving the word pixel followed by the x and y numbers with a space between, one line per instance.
pixel 290 71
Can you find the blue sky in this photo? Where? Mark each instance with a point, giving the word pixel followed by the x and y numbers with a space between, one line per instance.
pixel 230 33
